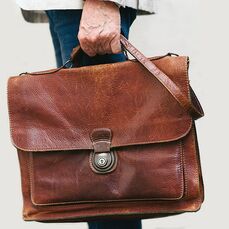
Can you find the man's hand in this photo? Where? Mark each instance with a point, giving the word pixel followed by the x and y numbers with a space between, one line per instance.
pixel 99 31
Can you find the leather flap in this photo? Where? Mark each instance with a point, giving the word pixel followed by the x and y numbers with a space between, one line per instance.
pixel 59 111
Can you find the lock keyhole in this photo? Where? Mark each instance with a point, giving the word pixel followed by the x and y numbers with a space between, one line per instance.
pixel 103 162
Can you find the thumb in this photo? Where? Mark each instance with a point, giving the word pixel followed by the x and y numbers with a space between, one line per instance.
pixel 116 45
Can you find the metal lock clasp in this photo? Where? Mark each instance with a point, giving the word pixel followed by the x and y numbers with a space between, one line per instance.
pixel 102 159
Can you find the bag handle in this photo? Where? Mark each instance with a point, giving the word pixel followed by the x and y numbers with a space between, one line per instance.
pixel 192 106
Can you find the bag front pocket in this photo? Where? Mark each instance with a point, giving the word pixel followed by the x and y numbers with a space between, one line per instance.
pixel 143 172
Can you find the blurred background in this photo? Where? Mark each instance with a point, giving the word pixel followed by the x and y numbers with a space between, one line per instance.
pixel 197 28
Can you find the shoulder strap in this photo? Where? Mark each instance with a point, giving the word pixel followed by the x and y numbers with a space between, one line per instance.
pixel 192 105
pixel 194 109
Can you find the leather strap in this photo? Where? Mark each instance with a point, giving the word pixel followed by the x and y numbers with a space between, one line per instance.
pixel 195 111
pixel 191 106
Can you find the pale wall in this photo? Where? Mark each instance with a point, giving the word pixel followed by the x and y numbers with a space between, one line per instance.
pixel 197 28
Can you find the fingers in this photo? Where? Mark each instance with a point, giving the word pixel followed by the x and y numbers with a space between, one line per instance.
pixel 100 44
pixel 86 44
pixel 115 44
pixel 104 45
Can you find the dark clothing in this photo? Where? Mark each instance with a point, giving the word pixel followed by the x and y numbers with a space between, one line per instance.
pixel 64 27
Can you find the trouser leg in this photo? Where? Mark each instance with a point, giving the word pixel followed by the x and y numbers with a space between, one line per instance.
pixel 64 27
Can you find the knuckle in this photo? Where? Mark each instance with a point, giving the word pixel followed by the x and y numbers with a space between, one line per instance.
pixel 81 37
pixel 93 39
pixel 114 34
pixel 116 47
pixel 106 35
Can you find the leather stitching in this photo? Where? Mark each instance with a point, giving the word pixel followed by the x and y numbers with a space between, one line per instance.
pixel 105 201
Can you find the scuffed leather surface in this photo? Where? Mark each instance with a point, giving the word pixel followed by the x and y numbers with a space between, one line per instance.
pixel 60 110
pixel 190 201
pixel 52 117
pixel 150 172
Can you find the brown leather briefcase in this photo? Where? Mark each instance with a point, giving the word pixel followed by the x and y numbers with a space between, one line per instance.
pixel 107 141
